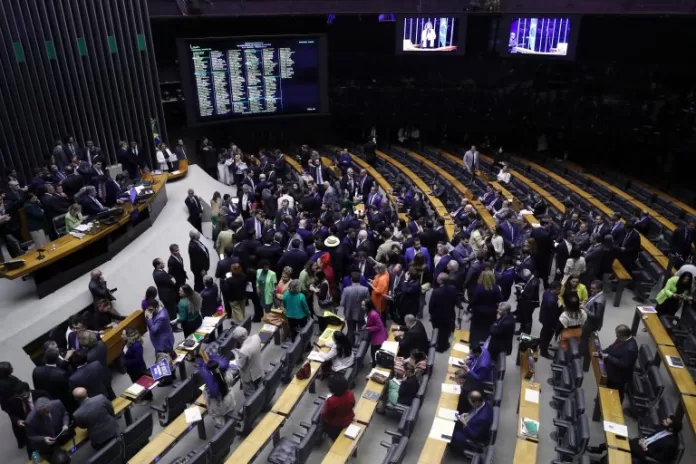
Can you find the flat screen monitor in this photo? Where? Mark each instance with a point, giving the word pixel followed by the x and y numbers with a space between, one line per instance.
pixel 435 34
pixel 543 36
pixel 233 78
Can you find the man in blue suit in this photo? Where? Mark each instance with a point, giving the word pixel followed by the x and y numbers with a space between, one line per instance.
pixel 441 260
pixel 90 203
pixel 682 239
pixel 344 160
pixel 294 257
pixel 478 365
pixel 506 278
pixel 416 248
pixel 618 231
pixel 510 232
pixel 476 425
pixel 643 223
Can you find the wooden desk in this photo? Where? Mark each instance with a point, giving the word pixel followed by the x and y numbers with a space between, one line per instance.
pixel 655 328
pixel 182 170
pixel 465 192
pixel 514 202
pixel 598 368
pixel 681 377
pixel 610 405
pixel 365 408
pixel 434 450
pixel 155 448
pixel 253 444
pixel 113 337
pixel 423 187
pixel 528 409
pixel 333 169
pixel 666 196
pixel 525 452
pixel 618 457
pixel 343 448
pixel 689 406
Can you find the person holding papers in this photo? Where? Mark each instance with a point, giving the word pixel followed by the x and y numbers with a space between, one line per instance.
pixel 337 413
pixel 133 359
pixel 661 446
pixel 476 424
pixel 47 427
pixel 248 359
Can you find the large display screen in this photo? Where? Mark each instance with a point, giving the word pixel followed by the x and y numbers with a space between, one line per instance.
pixel 541 36
pixel 441 34
pixel 241 77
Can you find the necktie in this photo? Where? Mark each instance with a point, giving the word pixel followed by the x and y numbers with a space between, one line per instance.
pixel 99 204
pixel 72 149
pixel 244 202
pixel 258 229
pixel 319 180
pixel 626 238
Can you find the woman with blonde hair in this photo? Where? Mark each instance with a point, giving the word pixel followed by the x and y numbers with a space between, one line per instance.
pixel 296 308
pixel 483 306
pixel 73 217
pixel 283 283
pixel 189 310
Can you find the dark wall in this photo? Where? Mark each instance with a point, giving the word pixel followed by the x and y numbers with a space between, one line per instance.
pixel 75 67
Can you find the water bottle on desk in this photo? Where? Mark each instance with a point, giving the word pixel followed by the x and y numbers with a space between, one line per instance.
pixel 35 458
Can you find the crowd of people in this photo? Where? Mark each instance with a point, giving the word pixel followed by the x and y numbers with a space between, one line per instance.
pixel 329 241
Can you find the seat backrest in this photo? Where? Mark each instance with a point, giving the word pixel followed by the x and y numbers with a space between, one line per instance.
pixel 222 442
pixel 246 323
pixel 645 357
pixel 433 337
pixel 656 384
pixel 500 366
pixel 360 354
pixel 271 381
pixel 494 425
pixel 136 435
pixel 59 225
pixel 560 357
pixel 251 410
pixel 292 356
pixel 202 456
pixel 498 392
pixel 226 344
pixel 423 387
pixel 306 332
pixel 316 415
pixel 578 373
pixel 109 454
pixel 579 401
pixel 177 400
pixel 304 449
pixel 431 360
pixel 408 418
pixel 573 348
pixel 489 457
pixel 396 452
pixel 583 433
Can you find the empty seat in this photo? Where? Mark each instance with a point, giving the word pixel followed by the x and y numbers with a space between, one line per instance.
pixel 567 378
pixel 395 451
pixel 572 438
pixel 407 421
pixel 136 436
pixel 644 361
pixel 177 401
pixel 293 356
pixel 646 391
pixel 251 409
pixel 222 442
pixel 111 453
pixel 271 381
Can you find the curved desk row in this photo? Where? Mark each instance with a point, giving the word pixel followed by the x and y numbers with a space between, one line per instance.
pixel 73 256
pixel 180 172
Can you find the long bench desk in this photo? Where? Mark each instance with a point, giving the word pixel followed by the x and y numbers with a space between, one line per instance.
pixel 74 256
pixel 333 168
pixel 434 201
pixel 686 208
pixel 180 172
pixel 465 192
pixel 434 450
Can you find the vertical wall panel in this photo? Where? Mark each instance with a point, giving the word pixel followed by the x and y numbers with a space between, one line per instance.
pixel 70 67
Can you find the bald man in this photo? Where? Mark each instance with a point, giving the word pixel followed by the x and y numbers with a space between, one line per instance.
pixel 98 288
pixel 95 414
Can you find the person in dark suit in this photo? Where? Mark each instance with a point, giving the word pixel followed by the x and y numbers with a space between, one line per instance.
pixel 167 288
pixel 90 203
pixel 661 446
pixel 54 205
pixel 127 160
pixel 71 148
pixel 527 301
pixel 98 287
pixel 90 375
pixel 48 420
pixel 619 359
pixel 549 313
pixel 108 190
pixel 294 258
pixel 271 250
pixel 200 259
pixel 682 240
pixel 175 265
pixel 618 230
pixel 563 249
pixel 365 183
pixel 502 332
pixel 53 379
pixel 543 250
pixel 92 151
pixel 59 156
pixel 96 414
pixel 629 247
pixel 20 404
pixel 72 183
pixel 506 278
pixel 209 297
pixel 180 150
pixel 642 223
pixel 195 210
pixel 476 425
pixel 441 307
pixel 414 338
pixel 594 307
pixel 137 154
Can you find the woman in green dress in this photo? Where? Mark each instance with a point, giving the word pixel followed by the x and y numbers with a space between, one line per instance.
pixel 189 309
pixel 266 282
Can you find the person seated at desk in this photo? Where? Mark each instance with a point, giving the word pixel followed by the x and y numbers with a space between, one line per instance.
pixel 340 355
pixel 146 176
pixel 96 414
pixel 90 203
pixel 337 413
pixel 504 175
pixel 404 390
pixel 104 316
pixel 661 446
pixel 474 425
pixel 478 366
pixel 47 427
pixel 73 217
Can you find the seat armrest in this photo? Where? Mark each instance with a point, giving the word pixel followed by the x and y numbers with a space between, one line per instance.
pixel 159 409
pixel 557 368
pixel 386 444
pixel 565 451
pixel 394 434
pixel 561 424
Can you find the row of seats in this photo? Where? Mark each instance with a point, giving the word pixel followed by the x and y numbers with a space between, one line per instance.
pixel 127 444
pixel 683 332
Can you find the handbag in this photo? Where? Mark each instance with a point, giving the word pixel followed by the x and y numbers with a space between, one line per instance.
pixel 305 372
pixel 379 378
pixel 384 359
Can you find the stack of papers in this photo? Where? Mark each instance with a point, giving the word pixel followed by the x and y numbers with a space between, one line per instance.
pixel 448 414
pixel 378 370
pixel 175 172
pixel 456 362
pixel 461 347
pixel 391 347
pixel 193 414
pixel 531 395
pixel 135 390
pixel 675 361
pixel 315 356
pixel 442 429
pixel 618 429
pixel 353 431
pixel 84 227
pixel 327 335
pixel 268 328
pixel 452 388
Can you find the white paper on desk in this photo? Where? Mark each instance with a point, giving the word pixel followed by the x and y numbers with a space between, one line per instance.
pixel 531 395
pixel 452 388
pixel 392 347
pixel 461 347
pixel 268 328
pixel 315 356
pixel 135 389
pixel 447 413
pixel 647 309
pixel 442 429
pixel 456 362
pixel 535 225
pixel 180 358
pixel 175 172
pixel 526 211
pixel 377 370
pixel 77 235
pixel 618 429
pixel 353 431
pixel 83 227
pixel 193 414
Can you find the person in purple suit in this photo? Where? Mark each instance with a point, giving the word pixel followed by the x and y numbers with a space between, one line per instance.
pixel 417 248
pixel 374 198
pixel 476 424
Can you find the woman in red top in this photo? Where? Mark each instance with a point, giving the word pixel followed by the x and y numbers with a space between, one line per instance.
pixel 338 408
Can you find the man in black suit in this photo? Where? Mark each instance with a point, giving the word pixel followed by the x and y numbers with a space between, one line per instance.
pixel 682 240
pixel 97 351
pixel 415 337
pixel 629 247
pixel 57 175
pixel 502 331
pixel 54 205
pixel 72 183
pixel 365 184
pixel 429 237
pixel 271 250
pixel 175 265
pixel 137 155
pixel 200 259
pixel 442 311
pixel 225 264
pixel 661 446
pixel 90 375
pixel 59 156
pixel 71 148
pixel 548 317
pixel 319 173
pixel 527 301
pixel 18 407
pixel 98 287
pixel 294 257
pixel 53 379
pixel 396 278
pixel 195 209
pixel 90 203
pixel 45 422
pixel 619 359
pixel 565 245
pixel 167 289
pixel 127 160
pixel 181 150
pixel 92 151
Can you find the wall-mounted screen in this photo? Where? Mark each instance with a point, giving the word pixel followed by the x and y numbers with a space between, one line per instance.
pixel 241 77
pixel 551 36
pixel 442 34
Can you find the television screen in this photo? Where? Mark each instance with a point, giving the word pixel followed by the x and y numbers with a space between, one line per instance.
pixel 430 34
pixel 241 77
pixel 544 36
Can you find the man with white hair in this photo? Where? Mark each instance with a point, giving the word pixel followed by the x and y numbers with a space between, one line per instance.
pixel 349 182
pixel 414 338
pixel 330 198
pixel 248 358
pixel 200 259
pixel 502 331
